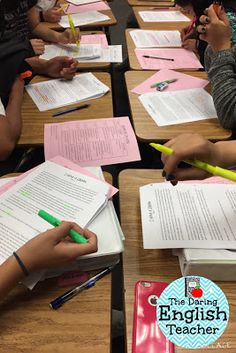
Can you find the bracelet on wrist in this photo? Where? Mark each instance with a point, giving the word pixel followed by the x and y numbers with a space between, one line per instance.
pixel 21 264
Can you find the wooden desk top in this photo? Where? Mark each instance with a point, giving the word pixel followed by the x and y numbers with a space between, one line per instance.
pixel 158 26
pixel 111 22
pixel 34 120
pixel 133 61
pixel 29 325
pixel 147 130
pixel 156 265
pixel 151 3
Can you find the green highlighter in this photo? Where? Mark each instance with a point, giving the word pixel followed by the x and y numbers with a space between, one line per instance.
pixel 78 238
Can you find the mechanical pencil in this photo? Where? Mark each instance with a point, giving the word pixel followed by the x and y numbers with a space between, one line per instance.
pixel 156 57
pixel 71 110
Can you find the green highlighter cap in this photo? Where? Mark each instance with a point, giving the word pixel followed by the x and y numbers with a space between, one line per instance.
pixel 78 238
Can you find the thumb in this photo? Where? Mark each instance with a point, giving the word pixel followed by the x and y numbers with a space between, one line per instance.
pixel 212 14
pixel 223 16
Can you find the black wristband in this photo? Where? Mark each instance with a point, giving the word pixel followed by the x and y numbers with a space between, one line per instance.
pixel 21 264
pixel 41 16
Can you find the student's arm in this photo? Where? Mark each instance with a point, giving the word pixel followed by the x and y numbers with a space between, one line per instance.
pixel 40 30
pixel 194 146
pixel 59 67
pixel 220 61
pixel 47 250
pixel 10 124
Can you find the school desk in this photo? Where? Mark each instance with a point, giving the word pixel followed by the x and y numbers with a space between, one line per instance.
pixel 133 61
pixel 83 324
pixel 34 120
pixel 159 26
pixel 157 265
pixel 147 130
pixel 152 3
pixel 96 25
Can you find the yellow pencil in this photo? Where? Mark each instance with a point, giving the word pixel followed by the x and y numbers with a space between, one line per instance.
pixel 72 26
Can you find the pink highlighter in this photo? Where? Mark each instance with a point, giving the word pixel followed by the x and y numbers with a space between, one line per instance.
pixel 147 336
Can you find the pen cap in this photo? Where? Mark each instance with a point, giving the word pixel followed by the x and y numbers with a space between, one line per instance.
pixel 47 217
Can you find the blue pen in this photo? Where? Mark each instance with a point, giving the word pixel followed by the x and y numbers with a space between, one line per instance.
pixel 71 110
pixel 59 301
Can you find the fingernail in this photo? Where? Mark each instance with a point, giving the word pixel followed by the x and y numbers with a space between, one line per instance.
pixel 203 30
pixel 207 20
pixel 170 177
pixel 173 182
pixel 163 174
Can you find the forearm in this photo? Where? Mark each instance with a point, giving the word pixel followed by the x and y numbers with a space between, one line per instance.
pixel 10 275
pixel 43 32
pixel 223 82
pixel 226 154
pixel 13 115
pixel 39 65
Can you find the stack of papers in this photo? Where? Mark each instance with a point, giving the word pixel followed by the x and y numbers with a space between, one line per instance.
pixel 163 16
pixel 152 39
pixel 84 18
pixel 85 53
pixel 49 187
pixel 169 108
pixel 58 93
pixel 94 39
pixel 188 216
pixel 93 142
pixel 182 59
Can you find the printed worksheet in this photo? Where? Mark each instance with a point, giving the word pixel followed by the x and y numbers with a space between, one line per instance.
pixel 111 54
pixel 93 142
pixel 188 216
pixel 65 194
pixel 58 93
pixel 82 2
pixel 152 39
pixel 83 18
pixel 177 107
pixel 96 6
pixel 163 16
pixel 84 51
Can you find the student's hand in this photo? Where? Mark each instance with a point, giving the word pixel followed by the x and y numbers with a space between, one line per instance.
pixel 67 36
pixel 61 66
pixel 54 248
pixel 38 46
pixel 185 33
pixel 189 146
pixel 190 44
pixel 52 15
pixel 215 29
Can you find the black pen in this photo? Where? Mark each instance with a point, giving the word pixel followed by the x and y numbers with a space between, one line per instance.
pixel 71 110
pixel 156 57
pixel 59 301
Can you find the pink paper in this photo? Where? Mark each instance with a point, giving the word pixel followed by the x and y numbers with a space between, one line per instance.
pixel 183 59
pixel 95 39
pixel 96 6
pixel 93 142
pixel 65 163
pixel 183 82
pixel 211 180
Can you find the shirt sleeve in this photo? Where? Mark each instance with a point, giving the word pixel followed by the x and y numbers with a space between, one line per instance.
pixel 2 109
pixel 221 72
pixel 31 3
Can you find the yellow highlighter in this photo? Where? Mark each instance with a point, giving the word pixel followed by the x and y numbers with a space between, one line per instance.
pixel 72 26
pixel 224 173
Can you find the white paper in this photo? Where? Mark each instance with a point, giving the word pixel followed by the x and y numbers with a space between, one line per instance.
pixel 83 18
pixel 188 216
pixel 85 51
pixel 155 39
pixel 112 54
pixel 177 107
pixel 58 93
pixel 82 2
pixel 163 16
pixel 65 194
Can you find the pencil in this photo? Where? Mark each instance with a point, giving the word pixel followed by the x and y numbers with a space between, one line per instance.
pixel 157 57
